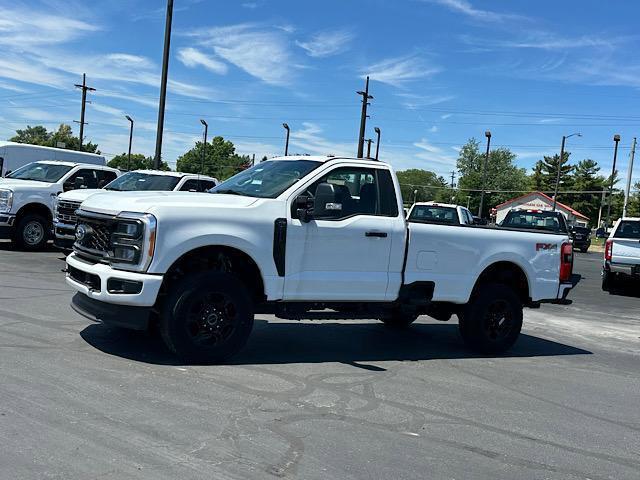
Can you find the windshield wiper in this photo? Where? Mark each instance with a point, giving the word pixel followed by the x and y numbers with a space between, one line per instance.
pixel 228 191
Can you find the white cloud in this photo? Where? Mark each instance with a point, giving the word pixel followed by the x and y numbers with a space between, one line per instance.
pixel 466 8
pixel 263 54
pixel 446 115
pixel 413 101
pixel 325 44
pixel 192 57
pixel 434 155
pixel 400 70
pixel 433 129
pixel 310 140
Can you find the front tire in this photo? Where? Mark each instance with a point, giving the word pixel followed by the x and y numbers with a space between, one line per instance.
pixel 207 317
pixel 491 322
pixel 32 233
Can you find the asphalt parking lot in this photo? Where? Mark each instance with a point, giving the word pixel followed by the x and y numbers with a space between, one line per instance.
pixel 317 400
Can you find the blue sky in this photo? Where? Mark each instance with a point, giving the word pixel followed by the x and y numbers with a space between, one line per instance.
pixel 442 71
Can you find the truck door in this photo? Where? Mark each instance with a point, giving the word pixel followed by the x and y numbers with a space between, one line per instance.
pixel 345 257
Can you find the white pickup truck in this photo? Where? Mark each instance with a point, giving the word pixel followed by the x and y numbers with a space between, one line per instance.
pixel 27 195
pixel 621 254
pixel 302 237
pixel 66 204
pixel 442 213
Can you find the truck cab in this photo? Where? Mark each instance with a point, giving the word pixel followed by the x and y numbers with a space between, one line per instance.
pixel 622 254
pixel 28 193
pixel 442 213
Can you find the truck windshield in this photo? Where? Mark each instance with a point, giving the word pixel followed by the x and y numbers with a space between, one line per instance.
pixel 40 172
pixel 267 179
pixel 628 229
pixel 434 214
pixel 138 181
pixel 535 220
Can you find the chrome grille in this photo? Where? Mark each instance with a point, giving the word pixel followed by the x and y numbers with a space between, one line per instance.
pixel 95 244
pixel 67 211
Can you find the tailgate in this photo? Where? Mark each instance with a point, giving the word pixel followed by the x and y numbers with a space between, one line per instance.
pixel 626 251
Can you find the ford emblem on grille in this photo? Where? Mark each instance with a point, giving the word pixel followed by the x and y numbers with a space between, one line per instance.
pixel 82 232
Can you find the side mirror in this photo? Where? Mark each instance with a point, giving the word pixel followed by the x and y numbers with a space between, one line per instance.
pixel 75 185
pixel 304 208
pixel 479 221
pixel 326 202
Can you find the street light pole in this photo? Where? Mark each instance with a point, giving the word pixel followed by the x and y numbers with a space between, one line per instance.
pixel 564 139
pixel 286 145
pixel 415 196
pixel 368 140
pixel 163 84
pixel 377 130
pixel 484 173
pixel 130 141
pixel 204 150
pixel 363 117
pixel 616 139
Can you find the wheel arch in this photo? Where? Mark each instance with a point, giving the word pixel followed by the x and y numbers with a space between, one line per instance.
pixel 506 273
pixel 35 208
pixel 218 258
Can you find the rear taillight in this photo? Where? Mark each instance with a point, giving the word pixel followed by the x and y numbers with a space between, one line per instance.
pixel 566 262
pixel 608 249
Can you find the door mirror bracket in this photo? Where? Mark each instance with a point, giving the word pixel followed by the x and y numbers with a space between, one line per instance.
pixel 304 208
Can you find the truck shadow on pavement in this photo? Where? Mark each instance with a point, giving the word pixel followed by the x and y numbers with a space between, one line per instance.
pixel 279 342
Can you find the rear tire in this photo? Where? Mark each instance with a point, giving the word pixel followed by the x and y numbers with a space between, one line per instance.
pixel 491 322
pixel 584 249
pixel 207 317
pixel 32 233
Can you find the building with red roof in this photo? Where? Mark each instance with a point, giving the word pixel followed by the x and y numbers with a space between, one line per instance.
pixel 540 201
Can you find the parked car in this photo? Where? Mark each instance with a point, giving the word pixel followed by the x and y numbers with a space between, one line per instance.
pixel 27 196
pixel 66 204
pixel 601 232
pixel 302 237
pixel 15 155
pixel 622 254
pixel 441 213
pixel 580 237
pixel 543 220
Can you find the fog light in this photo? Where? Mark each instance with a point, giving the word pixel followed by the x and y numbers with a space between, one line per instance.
pixel 122 286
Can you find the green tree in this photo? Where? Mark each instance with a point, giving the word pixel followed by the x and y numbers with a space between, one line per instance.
pixel 633 209
pixel 138 162
pixel 502 174
pixel 39 135
pixel 221 160
pixel 429 186
pixel 549 172
pixel 537 178
pixel 585 179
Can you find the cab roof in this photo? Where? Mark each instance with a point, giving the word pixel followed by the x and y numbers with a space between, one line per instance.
pixel 327 158
pixel 73 164
pixel 438 204
pixel 171 174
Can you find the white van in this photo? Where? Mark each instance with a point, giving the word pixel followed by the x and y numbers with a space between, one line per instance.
pixel 15 155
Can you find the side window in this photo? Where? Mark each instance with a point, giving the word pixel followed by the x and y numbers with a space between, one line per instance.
pixel 208 185
pixel 190 185
pixel 88 178
pixel 361 191
pixel 105 176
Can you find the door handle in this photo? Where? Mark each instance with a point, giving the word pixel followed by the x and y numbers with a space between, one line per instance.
pixel 376 234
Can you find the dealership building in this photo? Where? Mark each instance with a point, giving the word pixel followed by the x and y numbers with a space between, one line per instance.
pixel 540 201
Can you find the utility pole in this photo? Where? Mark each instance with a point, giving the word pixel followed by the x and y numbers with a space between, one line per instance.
pixel 253 160
pixel 286 145
pixel 564 139
pixel 616 139
pixel 204 149
pixel 377 130
pixel 163 84
pixel 453 176
pixel 130 141
pixel 484 173
pixel 85 89
pixel 604 196
pixel 363 117
pixel 629 175
pixel 368 140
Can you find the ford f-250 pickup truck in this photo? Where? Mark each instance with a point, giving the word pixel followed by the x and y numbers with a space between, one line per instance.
pixel 302 237
pixel 622 254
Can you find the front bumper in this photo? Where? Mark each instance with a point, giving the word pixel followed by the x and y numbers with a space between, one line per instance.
pixel 133 318
pixel 64 235
pixel 7 222
pixel 93 280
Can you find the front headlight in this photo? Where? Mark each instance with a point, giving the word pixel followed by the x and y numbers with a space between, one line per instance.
pixel 133 241
pixel 55 209
pixel 6 200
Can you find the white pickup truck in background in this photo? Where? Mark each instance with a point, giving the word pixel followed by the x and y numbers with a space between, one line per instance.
pixel 302 237
pixel 622 254
pixel 27 196
pixel 66 204
pixel 441 213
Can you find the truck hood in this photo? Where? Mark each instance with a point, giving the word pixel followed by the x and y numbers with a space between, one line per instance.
pixel 15 184
pixel 79 195
pixel 113 203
